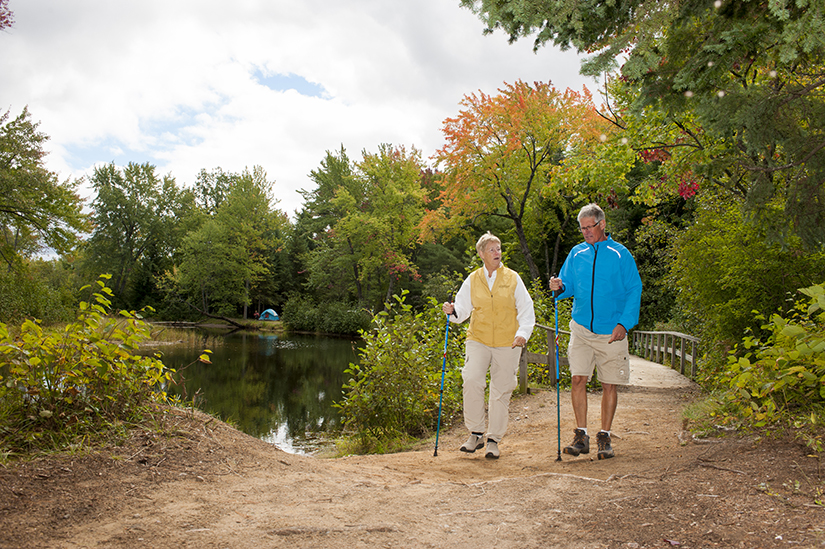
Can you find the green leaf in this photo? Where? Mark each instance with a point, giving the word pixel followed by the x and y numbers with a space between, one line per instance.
pixel 793 331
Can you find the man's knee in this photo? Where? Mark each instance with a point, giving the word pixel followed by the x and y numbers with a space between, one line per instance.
pixel 578 381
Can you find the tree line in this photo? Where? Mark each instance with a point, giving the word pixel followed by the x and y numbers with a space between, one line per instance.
pixel 705 149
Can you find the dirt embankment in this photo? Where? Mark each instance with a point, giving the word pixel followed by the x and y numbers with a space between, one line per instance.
pixel 207 485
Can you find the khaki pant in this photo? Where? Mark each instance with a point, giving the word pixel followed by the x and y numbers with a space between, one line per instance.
pixel 586 350
pixel 502 363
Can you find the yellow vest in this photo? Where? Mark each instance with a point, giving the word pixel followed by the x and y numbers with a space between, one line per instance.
pixel 494 319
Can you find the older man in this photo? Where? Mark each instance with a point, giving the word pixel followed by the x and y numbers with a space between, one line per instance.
pixel 601 277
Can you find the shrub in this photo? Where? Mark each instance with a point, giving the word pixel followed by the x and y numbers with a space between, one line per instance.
pixel 301 314
pixel 725 269
pixel 342 318
pixel 35 290
pixel 78 383
pixel 395 389
pixel 783 381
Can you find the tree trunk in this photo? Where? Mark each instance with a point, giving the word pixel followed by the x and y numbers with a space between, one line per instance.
pixel 219 317
pixel 390 290
pixel 558 245
pixel 548 272
pixel 245 306
pixel 358 290
pixel 525 250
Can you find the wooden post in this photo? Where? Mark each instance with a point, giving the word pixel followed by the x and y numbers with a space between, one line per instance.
pixel 673 351
pixel 658 347
pixel 693 359
pixel 522 372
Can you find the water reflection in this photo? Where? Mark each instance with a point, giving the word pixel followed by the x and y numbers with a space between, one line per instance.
pixel 277 388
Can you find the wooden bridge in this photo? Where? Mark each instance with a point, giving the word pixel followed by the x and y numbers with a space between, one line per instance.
pixel 660 347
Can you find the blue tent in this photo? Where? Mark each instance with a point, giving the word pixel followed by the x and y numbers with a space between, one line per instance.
pixel 269 314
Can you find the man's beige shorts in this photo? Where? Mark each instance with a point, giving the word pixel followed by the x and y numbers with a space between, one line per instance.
pixel 586 350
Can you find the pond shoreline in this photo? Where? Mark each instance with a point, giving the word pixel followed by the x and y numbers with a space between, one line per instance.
pixel 276 386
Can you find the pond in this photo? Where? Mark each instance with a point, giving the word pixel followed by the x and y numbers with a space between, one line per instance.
pixel 279 388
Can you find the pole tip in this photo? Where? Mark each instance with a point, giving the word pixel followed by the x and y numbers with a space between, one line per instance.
pixel 435 454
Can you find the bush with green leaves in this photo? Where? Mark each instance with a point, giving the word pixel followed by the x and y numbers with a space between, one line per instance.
pixel 725 269
pixel 36 290
pixel 83 382
pixel 394 391
pixel 342 318
pixel 783 379
pixel 301 314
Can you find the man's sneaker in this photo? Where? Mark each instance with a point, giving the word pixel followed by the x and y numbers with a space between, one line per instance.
pixel 581 443
pixel 475 442
pixel 492 449
pixel 605 450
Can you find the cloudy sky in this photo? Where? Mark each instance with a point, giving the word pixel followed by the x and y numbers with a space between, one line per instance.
pixel 198 84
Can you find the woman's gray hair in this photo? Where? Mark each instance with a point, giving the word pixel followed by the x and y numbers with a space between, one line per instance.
pixel 591 210
pixel 486 239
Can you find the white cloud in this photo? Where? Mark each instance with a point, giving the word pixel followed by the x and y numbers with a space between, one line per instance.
pixel 178 84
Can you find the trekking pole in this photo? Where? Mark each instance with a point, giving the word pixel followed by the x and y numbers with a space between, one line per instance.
pixel 443 368
pixel 558 380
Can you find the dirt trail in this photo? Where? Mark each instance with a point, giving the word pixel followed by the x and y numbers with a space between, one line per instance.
pixel 209 486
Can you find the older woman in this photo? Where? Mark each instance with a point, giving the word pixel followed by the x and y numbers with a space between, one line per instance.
pixel 501 321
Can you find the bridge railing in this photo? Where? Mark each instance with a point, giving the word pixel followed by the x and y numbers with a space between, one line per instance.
pixel 548 358
pixel 658 346
pixel 653 346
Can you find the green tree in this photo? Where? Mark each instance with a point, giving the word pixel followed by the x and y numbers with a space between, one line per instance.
pixel 38 289
pixel 212 188
pixel 336 172
pixel 383 229
pixel 136 216
pixel 225 262
pixel 35 209
pixel 330 267
pixel 365 219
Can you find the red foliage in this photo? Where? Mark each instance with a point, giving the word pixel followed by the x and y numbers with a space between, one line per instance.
pixel 6 16
pixel 688 185
pixel 654 155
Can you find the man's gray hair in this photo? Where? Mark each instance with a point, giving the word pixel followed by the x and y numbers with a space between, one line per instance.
pixel 591 210
pixel 486 239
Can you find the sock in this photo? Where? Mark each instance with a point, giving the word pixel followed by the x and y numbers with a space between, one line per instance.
pixel 603 431
pixel 582 429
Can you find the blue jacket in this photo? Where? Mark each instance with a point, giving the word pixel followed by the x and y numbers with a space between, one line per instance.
pixel 605 285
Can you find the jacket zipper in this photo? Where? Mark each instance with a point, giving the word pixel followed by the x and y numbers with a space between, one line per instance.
pixel 593 287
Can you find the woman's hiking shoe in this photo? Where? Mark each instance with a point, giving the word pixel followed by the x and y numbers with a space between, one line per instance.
pixel 492 449
pixel 475 442
pixel 605 450
pixel 581 443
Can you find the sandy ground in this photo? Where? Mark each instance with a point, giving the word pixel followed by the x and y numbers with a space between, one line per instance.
pixel 204 484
